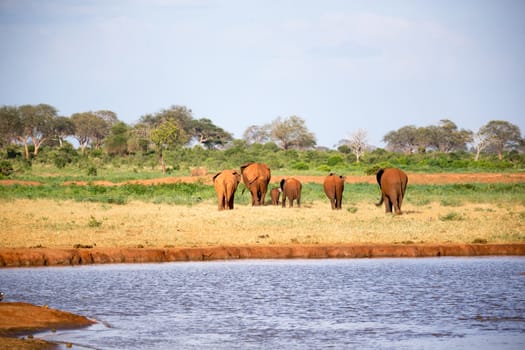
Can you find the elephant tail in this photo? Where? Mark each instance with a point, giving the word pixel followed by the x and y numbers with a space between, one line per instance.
pixel 380 201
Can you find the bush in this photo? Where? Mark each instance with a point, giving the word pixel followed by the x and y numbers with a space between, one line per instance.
pixel 92 170
pixel 300 166
pixel 6 168
pixel 334 160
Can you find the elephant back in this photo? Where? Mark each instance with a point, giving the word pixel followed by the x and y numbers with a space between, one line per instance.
pixel 252 171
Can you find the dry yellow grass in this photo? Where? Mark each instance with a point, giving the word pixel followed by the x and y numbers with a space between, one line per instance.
pixel 63 224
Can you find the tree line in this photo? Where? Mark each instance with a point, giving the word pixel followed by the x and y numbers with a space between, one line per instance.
pixel 35 126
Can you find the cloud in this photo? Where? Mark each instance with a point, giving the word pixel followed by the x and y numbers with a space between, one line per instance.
pixel 367 46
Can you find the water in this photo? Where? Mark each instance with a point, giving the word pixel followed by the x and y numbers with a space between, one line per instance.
pixel 430 303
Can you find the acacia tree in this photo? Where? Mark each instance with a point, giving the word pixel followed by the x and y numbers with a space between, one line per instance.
pixel 502 135
pixel 36 125
pixel 446 137
pixel 10 124
pixel 208 134
pixel 91 128
pixel 405 139
pixel 291 133
pixel 61 128
pixel 165 136
pixel 83 128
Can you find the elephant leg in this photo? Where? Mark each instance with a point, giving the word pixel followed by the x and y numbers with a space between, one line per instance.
pixel 230 202
pixel 290 200
pixel 254 196
pixel 399 200
pixel 332 203
pixel 221 202
pixel 339 199
pixel 388 204
pixel 299 201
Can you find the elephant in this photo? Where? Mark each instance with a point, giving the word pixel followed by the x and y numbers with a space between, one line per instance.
pixel 226 183
pixel 291 189
pixel 275 193
pixel 334 186
pixel 256 177
pixel 393 183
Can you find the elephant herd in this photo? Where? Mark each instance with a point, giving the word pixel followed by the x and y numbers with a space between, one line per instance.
pixel 256 177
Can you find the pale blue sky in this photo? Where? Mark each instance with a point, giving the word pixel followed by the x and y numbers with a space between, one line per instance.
pixel 343 65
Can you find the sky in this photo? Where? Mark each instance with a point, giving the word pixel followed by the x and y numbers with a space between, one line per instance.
pixel 341 66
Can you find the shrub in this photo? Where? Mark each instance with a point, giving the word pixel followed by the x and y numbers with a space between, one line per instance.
pixel 300 166
pixel 92 170
pixel 334 160
pixel 6 168
pixel 93 222
pixel 452 216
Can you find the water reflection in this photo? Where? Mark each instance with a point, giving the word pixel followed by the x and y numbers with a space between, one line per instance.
pixel 293 304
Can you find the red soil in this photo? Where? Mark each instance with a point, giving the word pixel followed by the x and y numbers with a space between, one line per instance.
pixel 19 257
pixel 23 318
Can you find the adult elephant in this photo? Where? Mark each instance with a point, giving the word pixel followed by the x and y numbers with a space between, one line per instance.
pixel 291 189
pixel 226 183
pixel 393 183
pixel 256 177
pixel 334 185
pixel 275 193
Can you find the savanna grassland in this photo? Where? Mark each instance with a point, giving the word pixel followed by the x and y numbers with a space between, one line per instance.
pixel 184 214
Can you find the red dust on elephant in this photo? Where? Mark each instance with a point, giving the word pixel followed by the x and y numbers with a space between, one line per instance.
pixel 291 189
pixel 225 184
pixel 393 183
pixel 333 186
pixel 256 177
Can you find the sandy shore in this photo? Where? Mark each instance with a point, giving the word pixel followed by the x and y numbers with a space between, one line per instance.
pixel 24 257
pixel 24 319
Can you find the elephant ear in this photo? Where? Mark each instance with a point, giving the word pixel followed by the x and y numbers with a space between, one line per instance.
pixel 214 176
pixel 379 175
pixel 237 175
pixel 244 166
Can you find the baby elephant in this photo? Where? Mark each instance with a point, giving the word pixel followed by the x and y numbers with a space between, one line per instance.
pixel 291 189
pixel 275 193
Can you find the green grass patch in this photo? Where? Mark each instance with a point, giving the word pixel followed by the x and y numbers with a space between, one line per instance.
pixel 452 216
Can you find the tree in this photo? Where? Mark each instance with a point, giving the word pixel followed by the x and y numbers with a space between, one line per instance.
pixel 139 138
pixel 36 125
pixel 165 136
pixel 179 114
pixel 405 140
pixel 91 128
pixel 257 134
pixel 208 134
pixel 356 143
pixel 10 124
pixel 116 142
pixel 291 133
pixel 446 137
pixel 480 142
pixel 83 128
pixel 502 135
pixel 61 128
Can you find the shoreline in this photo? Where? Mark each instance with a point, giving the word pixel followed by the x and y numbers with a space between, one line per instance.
pixel 19 319
pixel 33 257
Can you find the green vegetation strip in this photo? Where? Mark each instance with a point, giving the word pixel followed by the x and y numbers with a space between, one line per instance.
pixel 191 193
